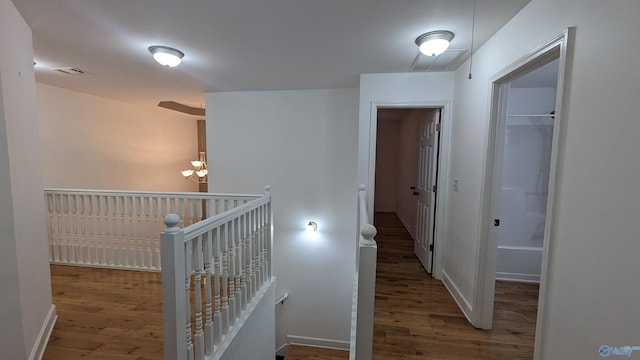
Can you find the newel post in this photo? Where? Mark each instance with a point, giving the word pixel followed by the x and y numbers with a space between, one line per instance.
pixel 174 319
pixel 366 291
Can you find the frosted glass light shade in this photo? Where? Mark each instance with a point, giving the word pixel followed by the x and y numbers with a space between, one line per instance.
pixel 435 42
pixel 202 173
pixel 187 173
pixel 196 163
pixel 166 56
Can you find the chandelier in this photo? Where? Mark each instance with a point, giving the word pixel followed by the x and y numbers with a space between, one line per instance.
pixel 199 171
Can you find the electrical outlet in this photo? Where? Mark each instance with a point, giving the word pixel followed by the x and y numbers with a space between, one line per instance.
pixel 456 185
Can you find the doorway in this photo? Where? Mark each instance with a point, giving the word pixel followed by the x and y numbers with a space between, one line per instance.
pixel 406 176
pixel 522 162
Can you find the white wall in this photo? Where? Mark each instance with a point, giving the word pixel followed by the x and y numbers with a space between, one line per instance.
pixel 255 339
pixel 25 289
pixel 387 154
pixel 593 268
pixel 90 142
pixel 303 144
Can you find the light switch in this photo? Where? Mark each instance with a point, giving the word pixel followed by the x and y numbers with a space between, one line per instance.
pixel 456 185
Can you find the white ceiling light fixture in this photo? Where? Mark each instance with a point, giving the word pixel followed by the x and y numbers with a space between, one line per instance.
pixel 166 56
pixel 434 43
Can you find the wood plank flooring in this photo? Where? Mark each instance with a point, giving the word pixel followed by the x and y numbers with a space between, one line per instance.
pixel 117 315
pixel 416 318
pixel 105 314
pixel 297 352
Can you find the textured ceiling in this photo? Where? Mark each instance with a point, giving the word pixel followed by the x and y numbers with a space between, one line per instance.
pixel 241 45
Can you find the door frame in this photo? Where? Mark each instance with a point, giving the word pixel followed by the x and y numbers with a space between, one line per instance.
pixel 443 166
pixel 485 274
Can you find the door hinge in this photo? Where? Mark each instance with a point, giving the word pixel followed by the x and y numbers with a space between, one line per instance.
pixel 435 188
pixel 437 127
pixel 496 222
pixel 430 247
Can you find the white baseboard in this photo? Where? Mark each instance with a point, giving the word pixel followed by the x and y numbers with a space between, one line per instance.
pixel 318 342
pixel 282 350
pixel 406 226
pixel 455 292
pixel 43 336
pixel 384 210
pixel 515 277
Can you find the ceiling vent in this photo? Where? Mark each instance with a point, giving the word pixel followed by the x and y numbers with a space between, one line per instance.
pixel 443 62
pixel 70 70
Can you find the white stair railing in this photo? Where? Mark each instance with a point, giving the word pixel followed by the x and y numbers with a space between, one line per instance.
pixel 364 285
pixel 121 229
pixel 213 272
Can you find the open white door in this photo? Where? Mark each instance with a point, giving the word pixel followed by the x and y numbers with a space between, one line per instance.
pixel 426 189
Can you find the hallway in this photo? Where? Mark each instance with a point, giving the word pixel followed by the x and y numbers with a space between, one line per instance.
pixel 416 318
pixel 111 314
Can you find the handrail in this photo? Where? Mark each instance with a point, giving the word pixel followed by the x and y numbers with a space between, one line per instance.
pixel 203 226
pixel 189 195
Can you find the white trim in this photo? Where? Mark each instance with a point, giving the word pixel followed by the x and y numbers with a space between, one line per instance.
pixel 516 277
pixel 457 295
pixel 406 226
pixel 106 266
pixel 318 342
pixel 520 247
pixel 282 350
pixel 485 275
pixel 385 210
pixel 443 166
pixel 40 344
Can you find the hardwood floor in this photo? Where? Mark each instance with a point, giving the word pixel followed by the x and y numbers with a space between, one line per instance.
pixel 117 315
pixel 105 314
pixel 416 318
pixel 297 352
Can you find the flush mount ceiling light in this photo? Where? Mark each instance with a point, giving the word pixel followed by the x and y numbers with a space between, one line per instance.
pixel 435 42
pixel 166 56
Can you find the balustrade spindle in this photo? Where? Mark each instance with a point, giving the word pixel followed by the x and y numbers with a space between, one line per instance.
pixel 197 269
pixel 99 230
pixel 138 251
pixel 86 228
pixel 225 278
pixel 88 206
pixel 53 241
pixel 129 245
pixel 233 258
pixel 113 235
pixel 208 327
pixel 241 274
pixel 247 236
pixel 187 290
pixel 156 229
pixel 217 266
